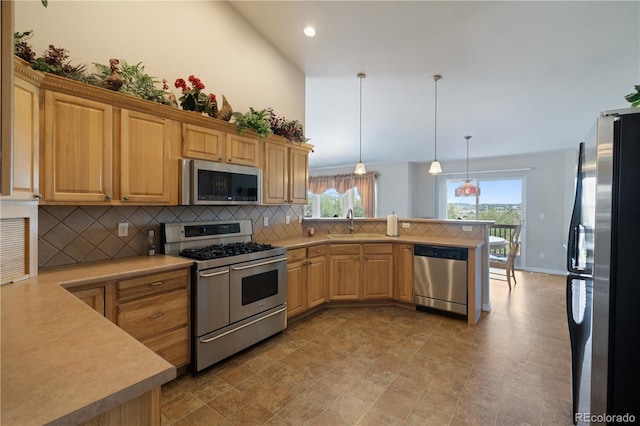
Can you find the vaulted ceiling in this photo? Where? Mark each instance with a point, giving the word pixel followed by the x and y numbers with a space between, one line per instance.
pixel 518 76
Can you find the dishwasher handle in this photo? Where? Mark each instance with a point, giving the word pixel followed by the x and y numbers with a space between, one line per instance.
pixel 441 252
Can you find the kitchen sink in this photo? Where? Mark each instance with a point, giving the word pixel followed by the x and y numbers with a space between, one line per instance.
pixel 354 236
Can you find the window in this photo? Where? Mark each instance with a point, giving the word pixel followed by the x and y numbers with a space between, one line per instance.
pixel 331 203
pixel 334 195
pixel 499 200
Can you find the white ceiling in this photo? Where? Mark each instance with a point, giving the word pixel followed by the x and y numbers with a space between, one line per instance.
pixel 518 76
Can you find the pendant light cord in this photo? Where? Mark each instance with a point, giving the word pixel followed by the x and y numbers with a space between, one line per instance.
pixel 435 124
pixel 361 77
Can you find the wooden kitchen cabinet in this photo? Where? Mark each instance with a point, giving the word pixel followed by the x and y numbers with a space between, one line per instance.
pixel 23 182
pixel 316 275
pixel 202 143
pixel 77 146
pixel 403 272
pixel 93 153
pixel 286 174
pixel 154 309
pixel 377 271
pixel 296 288
pixel 145 153
pixel 306 279
pixel 360 271
pixel 345 271
pixel 210 144
pixel 242 150
pixel 99 296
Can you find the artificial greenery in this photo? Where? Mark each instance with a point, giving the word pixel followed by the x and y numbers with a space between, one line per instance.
pixel 292 130
pixel 634 98
pixel 22 49
pixel 256 120
pixel 54 61
pixel 135 81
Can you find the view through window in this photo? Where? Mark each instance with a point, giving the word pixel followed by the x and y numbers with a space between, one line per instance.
pixel 332 203
pixel 499 200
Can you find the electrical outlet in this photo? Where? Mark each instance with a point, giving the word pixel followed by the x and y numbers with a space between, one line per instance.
pixel 300 219
pixel 467 228
pixel 287 219
pixel 406 225
pixel 265 221
pixel 541 216
pixel 123 229
pixel 541 255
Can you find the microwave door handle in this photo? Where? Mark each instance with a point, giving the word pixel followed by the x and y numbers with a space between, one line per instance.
pixel 269 262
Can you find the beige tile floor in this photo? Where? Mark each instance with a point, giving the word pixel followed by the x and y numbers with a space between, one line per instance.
pixel 389 365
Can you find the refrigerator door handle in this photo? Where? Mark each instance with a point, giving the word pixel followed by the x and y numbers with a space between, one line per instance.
pixel 574 337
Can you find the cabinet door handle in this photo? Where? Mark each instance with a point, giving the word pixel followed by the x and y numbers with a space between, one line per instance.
pixel 37 196
pixel 107 197
pixel 156 316
pixel 155 284
pixel 126 198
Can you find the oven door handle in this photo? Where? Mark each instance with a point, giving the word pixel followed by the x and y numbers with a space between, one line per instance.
pixel 214 274
pixel 240 268
pixel 243 325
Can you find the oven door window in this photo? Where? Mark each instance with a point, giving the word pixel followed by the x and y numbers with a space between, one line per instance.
pixel 259 286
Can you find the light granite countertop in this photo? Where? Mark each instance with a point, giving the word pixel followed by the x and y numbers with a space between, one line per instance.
pixel 63 362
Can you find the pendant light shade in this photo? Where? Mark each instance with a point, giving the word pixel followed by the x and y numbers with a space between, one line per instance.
pixel 360 169
pixel 435 165
pixel 467 189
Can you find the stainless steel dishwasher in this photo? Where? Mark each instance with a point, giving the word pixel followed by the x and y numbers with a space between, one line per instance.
pixel 440 278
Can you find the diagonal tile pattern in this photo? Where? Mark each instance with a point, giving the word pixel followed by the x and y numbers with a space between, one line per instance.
pixel 393 366
pixel 75 234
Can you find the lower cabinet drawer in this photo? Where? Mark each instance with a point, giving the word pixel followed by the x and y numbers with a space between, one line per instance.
pixel 152 315
pixel 172 346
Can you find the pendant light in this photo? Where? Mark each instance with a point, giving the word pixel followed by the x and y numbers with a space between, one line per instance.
pixel 467 189
pixel 435 166
pixel 360 170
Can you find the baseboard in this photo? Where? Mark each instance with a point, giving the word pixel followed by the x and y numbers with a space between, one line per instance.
pixel 545 271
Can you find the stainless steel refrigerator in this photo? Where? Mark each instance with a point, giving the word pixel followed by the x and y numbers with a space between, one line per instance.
pixel 603 283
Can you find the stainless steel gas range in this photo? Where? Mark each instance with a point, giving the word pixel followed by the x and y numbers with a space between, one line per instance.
pixel 239 288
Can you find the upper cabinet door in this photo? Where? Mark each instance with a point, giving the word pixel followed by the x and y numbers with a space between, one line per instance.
pixel 145 152
pixel 298 175
pixel 275 183
pixel 202 143
pixel 26 125
pixel 78 149
pixel 242 150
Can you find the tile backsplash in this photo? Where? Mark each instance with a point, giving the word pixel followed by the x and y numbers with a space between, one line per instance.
pixel 76 234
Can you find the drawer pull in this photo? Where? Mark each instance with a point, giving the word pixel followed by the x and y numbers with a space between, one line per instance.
pixel 158 315
pixel 317 250
pixel 157 283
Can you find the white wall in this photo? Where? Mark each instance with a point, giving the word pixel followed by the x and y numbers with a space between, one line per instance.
pixel 548 190
pixel 172 39
pixel 394 186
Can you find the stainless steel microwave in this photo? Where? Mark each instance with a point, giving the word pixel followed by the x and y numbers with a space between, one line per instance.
pixel 208 182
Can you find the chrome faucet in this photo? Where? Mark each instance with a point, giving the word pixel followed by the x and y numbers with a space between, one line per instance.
pixel 350 217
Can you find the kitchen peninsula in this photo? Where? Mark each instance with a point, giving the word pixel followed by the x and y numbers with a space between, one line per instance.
pixel 64 363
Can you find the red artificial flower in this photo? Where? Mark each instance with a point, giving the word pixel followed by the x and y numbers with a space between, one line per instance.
pixel 181 84
pixel 191 78
pixel 198 84
pixel 212 98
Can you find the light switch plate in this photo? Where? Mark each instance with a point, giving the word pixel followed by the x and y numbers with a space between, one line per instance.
pixel 406 225
pixel 123 229
pixel 265 221
pixel 287 219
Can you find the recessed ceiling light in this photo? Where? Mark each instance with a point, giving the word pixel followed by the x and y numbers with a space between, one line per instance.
pixel 309 31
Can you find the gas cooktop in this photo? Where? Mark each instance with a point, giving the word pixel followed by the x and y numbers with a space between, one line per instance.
pixel 223 250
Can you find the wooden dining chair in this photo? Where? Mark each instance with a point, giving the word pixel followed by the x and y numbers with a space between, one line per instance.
pixel 507 261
